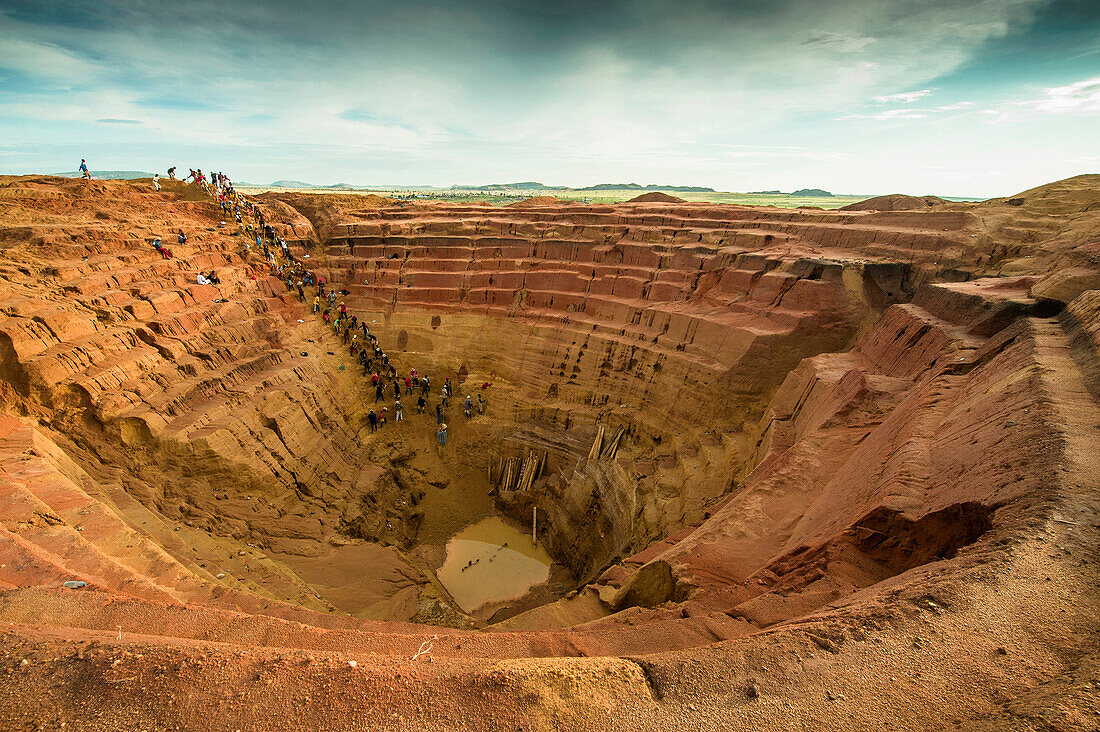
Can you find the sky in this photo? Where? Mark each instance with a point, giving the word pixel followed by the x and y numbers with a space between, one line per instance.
pixel 950 97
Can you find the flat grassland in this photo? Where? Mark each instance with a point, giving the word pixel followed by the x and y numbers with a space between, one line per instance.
pixel 607 196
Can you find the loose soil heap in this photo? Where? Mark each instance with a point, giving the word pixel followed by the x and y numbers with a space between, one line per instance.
pixel 894 202
pixel 796 468
pixel 656 197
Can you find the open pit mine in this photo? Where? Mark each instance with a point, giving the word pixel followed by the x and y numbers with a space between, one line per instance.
pixel 733 467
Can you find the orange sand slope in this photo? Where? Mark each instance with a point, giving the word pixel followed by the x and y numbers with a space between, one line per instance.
pixel 855 483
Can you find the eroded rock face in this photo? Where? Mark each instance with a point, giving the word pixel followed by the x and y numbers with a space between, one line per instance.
pixel 821 430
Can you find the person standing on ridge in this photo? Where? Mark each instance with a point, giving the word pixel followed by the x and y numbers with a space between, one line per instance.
pixel 84 170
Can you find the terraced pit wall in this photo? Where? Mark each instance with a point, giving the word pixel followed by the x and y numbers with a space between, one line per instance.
pixel 670 324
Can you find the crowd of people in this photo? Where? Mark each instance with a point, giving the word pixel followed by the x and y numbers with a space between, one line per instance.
pixel 385 379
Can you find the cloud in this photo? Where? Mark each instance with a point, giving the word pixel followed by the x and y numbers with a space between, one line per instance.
pixel 116 121
pixel 43 60
pixel 892 114
pixel 389 91
pixel 1081 96
pixel 903 97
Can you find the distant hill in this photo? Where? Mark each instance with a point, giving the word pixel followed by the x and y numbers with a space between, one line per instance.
pixel 650 187
pixel 291 184
pixel 613 187
pixel 523 186
pixel 765 193
pixel 109 174
pixel 812 192
pixel 681 189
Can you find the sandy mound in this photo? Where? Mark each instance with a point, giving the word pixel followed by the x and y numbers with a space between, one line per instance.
pixel 537 201
pixel 1078 194
pixel 656 197
pixel 894 202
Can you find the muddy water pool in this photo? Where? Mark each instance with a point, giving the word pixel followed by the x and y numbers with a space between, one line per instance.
pixel 491 561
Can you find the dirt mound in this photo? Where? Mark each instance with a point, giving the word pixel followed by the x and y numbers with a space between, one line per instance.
pixel 656 197
pixel 1079 194
pixel 894 202
pixel 537 201
pixel 320 210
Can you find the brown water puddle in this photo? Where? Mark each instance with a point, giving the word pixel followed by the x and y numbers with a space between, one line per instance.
pixel 491 561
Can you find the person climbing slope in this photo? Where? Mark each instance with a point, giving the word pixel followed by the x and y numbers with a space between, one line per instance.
pixel 84 170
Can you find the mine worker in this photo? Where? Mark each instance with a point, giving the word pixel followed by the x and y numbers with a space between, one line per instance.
pixel 172 172
pixel 373 419
pixel 398 411
pixel 443 395
pixel 397 389
pixel 164 253
pixel 421 402
pixel 181 238
pixel 156 181
pixel 316 303
pixel 213 278
pixel 480 404
pixel 442 433
pixel 468 406
pixel 201 279
pixel 84 169
pixel 382 416
pixel 379 393
pixel 438 414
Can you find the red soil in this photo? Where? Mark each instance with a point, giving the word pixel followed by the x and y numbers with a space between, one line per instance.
pixel 894 202
pixel 656 197
pixel 858 486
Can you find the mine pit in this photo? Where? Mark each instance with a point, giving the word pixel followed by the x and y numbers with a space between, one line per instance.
pixel 758 446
